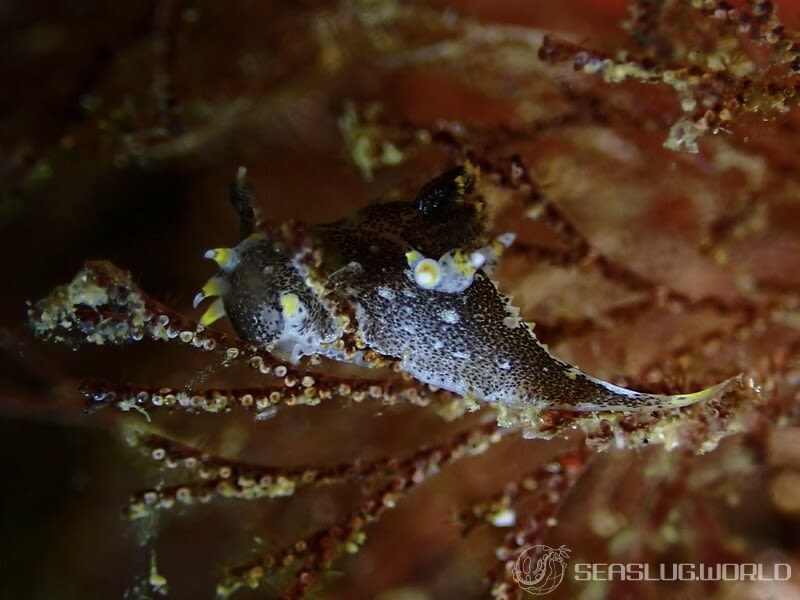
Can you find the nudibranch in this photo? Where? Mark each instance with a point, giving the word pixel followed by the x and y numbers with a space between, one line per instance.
pixel 416 277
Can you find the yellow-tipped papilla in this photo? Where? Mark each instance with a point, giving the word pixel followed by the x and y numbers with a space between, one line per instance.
pixel 471 173
pixel 494 250
pixel 216 286
pixel 226 258
pixel 467 263
pixel 412 256
pixel 502 242
pixel 215 312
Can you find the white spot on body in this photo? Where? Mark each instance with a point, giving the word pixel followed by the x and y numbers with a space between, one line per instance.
pixel 450 316
pixel 385 293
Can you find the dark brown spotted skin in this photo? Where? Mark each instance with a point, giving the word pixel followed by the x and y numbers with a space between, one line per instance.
pixel 471 342
pixel 468 343
pixel 253 304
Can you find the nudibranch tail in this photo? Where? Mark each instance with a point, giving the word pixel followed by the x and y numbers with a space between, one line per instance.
pixel 543 381
pixel 620 399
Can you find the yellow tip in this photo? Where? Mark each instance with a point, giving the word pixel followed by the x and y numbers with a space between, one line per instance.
pixel 412 256
pixel 498 247
pixel 215 312
pixel 224 257
pixel 463 263
pixel 216 286
pixel 715 391
pixel 472 171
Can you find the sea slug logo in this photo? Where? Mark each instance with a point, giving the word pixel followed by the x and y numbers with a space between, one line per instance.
pixel 540 569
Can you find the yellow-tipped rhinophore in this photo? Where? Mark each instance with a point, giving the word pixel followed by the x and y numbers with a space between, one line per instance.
pixel 215 312
pixel 226 258
pixel 501 243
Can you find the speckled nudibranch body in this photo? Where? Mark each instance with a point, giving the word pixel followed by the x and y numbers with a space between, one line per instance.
pixel 416 275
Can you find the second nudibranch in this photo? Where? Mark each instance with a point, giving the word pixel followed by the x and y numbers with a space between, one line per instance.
pixel 417 277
